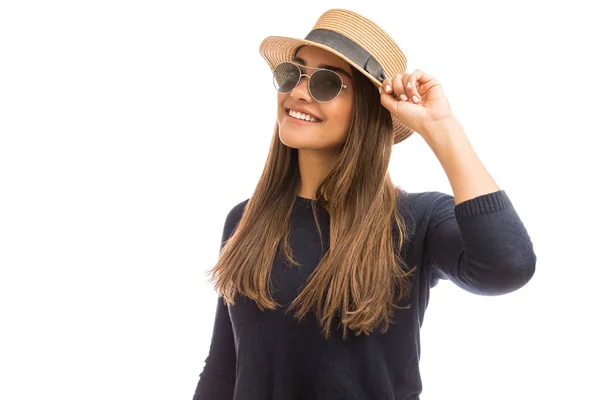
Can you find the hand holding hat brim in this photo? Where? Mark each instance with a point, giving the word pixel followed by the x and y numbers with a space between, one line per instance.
pixel 417 100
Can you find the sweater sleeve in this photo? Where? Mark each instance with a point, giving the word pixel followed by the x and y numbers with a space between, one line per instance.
pixel 217 379
pixel 480 244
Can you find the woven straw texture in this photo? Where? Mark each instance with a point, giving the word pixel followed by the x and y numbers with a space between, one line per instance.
pixel 362 31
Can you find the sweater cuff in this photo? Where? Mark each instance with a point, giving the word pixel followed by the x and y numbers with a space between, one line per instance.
pixel 484 204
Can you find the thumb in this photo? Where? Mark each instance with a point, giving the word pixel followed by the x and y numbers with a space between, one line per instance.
pixel 407 112
pixel 393 104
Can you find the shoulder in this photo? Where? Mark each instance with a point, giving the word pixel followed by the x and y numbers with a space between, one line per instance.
pixel 234 215
pixel 426 207
pixel 425 202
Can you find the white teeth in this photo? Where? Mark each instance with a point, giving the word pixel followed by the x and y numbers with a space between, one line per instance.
pixel 299 115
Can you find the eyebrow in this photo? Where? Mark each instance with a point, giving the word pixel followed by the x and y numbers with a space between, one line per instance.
pixel 331 67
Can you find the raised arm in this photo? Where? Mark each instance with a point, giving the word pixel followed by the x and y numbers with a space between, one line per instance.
pixel 480 244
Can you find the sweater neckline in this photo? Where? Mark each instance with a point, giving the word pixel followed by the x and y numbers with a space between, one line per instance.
pixel 305 200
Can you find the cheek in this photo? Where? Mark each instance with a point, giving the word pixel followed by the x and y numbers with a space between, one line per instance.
pixel 280 108
pixel 280 98
pixel 340 112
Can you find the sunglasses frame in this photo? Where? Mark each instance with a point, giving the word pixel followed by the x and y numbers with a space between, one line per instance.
pixel 342 87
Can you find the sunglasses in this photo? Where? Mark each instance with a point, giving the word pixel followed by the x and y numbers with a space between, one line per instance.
pixel 324 85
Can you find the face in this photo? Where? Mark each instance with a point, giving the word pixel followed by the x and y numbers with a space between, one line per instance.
pixel 334 115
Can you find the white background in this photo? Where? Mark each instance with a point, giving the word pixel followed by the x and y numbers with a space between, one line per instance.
pixel 129 129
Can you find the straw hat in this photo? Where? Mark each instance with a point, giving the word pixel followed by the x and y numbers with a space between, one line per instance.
pixel 354 38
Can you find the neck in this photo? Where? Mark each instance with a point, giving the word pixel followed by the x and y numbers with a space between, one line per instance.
pixel 314 166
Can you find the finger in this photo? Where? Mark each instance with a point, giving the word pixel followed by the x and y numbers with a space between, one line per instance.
pixel 422 77
pixel 389 101
pixel 393 104
pixel 387 86
pixel 424 81
pixel 411 84
pixel 398 87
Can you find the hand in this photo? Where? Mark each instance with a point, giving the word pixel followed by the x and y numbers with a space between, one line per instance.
pixel 421 114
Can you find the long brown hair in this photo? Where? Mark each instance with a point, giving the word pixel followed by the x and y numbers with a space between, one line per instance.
pixel 358 277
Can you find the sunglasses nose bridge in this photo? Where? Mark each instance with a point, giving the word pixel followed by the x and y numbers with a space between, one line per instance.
pixel 300 80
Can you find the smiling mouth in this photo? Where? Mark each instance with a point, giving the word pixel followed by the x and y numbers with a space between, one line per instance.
pixel 316 120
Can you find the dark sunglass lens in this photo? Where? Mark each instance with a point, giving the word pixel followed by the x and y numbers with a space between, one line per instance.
pixel 285 77
pixel 325 85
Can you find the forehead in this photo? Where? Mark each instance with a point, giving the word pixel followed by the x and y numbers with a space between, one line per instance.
pixel 314 57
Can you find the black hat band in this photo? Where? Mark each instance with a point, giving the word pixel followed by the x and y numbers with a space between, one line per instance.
pixel 348 48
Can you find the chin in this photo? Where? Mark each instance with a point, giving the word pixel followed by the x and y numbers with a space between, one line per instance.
pixel 293 139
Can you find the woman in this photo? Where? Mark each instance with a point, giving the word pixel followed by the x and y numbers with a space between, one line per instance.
pixel 324 273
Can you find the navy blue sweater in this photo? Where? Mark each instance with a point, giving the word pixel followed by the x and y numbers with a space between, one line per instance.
pixel 480 244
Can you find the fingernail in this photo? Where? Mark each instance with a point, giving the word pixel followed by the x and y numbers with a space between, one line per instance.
pixel 388 88
pixel 415 99
pixel 379 90
pixel 408 85
pixel 403 97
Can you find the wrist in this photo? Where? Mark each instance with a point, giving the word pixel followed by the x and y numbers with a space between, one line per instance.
pixel 441 128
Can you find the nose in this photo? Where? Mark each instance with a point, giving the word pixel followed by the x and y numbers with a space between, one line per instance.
pixel 301 90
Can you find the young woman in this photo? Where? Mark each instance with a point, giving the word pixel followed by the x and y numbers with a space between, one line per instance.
pixel 324 272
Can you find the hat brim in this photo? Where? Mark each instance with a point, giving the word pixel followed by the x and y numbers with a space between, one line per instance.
pixel 276 49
